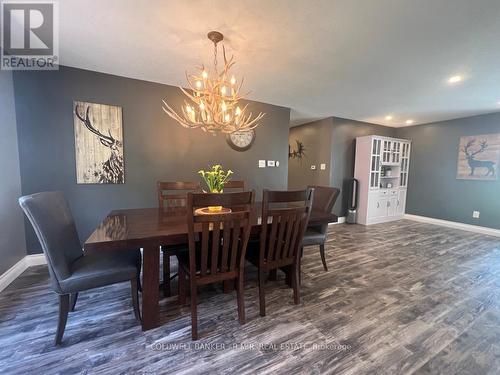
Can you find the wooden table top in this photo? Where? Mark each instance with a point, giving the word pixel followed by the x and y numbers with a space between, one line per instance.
pixel 131 228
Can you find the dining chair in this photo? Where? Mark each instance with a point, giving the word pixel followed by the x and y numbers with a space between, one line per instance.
pixel 71 270
pixel 285 215
pixel 234 185
pixel 324 200
pixel 172 195
pixel 217 247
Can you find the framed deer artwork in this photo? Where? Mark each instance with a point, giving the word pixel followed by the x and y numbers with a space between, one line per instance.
pixel 98 143
pixel 478 157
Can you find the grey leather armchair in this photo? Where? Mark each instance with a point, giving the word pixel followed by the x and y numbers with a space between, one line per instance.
pixel 324 200
pixel 71 270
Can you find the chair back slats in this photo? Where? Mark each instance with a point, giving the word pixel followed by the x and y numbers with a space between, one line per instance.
pixel 280 240
pixel 234 184
pixel 174 194
pixel 223 238
pixel 216 242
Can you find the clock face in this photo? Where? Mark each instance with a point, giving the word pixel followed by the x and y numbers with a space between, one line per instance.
pixel 241 141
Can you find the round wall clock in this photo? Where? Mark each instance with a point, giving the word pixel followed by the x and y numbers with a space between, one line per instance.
pixel 241 141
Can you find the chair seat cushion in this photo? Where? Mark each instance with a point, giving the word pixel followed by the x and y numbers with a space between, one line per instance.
pixel 313 237
pixel 99 269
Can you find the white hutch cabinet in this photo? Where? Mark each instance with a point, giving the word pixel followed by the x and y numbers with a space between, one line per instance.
pixel 382 171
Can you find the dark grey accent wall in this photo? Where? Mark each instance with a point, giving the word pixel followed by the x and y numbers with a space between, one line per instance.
pixel 316 137
pixel 12 240
pixel 155 147
pixel 331 141
pixel 344 134
pixel 433 189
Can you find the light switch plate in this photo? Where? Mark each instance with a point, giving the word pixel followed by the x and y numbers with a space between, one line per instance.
pixel 313 167
pixel 322 166
pixel 262 163
pixel 475 214
pixel 270 163
pixel 277 163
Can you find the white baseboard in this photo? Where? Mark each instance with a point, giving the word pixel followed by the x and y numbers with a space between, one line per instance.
pixel 17 269
pixel 454 224
pixel 340 220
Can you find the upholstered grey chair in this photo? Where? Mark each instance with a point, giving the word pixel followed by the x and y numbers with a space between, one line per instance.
pixel 71 270
pixel 324 200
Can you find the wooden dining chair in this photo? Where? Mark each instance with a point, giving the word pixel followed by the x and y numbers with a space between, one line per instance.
pixel 172 195
pixel 234 185
pixel 324 200
pixel 217 247
pixel 285 215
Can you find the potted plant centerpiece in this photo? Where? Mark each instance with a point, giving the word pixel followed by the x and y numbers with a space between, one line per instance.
pixel 215 178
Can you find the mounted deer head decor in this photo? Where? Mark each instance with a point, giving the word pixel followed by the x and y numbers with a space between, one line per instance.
pixel 298 153
pixel 98 144
pixel 478 157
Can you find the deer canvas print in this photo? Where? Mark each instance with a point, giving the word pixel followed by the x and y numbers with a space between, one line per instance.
pixel 98 143
pixel 478 157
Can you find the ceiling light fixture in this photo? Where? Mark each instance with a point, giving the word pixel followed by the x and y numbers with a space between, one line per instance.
pixel 455 79
pixel 388 118
pixel 214 98
pixel 409 122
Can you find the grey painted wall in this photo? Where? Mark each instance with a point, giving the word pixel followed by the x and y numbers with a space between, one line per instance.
pixel 330 141
pixel 155 147
pixel 12 241
pixel 316 137
pixel 433 189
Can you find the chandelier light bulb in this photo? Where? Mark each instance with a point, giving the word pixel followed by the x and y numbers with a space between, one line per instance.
pixel 223 90
pixel 233 80
pixel 204 74
pixel 198 84
pixel 238 111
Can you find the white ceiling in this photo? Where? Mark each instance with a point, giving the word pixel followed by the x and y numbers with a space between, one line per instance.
pixel 358 59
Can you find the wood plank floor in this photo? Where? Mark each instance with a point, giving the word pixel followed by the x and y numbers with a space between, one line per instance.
pixel 398 299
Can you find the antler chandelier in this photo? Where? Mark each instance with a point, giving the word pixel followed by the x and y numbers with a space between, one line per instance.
pixel 214 97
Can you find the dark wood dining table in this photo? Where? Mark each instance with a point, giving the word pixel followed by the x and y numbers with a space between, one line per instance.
pixel 151 228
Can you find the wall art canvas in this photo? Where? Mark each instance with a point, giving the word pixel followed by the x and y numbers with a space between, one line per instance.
pixel 478 157
pixel 98 143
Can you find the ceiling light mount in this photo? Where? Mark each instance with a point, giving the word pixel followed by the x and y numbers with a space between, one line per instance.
pixel 215 36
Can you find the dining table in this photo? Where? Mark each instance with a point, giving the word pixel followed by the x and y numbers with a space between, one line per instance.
pixel 149 229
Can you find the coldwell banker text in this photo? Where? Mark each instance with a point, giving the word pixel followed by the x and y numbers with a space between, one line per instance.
pixel 30 35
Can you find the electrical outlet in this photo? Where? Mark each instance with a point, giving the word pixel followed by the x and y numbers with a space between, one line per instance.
pixel 262 163
pixel 313 167
pixel 475 214
pixel 322 166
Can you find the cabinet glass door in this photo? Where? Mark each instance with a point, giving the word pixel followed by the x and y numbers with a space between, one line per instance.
pixel 387 150
pixel 405 160
pixel 375 164
pixel 396 151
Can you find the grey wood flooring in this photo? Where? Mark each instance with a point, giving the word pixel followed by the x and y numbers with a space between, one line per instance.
pixel 400 298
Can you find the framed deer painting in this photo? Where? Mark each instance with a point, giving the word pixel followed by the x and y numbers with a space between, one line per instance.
pixel 478 157
pixel 98 143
